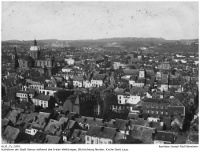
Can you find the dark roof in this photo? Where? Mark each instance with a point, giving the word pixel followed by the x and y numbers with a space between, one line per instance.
pixel 41 120
pixel 50 139
pixel 28 58
pixel 10 133
pixel 39 137
pixel 77 78
pixel 156 100
pixel 131 71
pixel 102 132
pixel 121 124
pixel 42 97
pixel 29 119
pixel 140 122
pixel 94 121
pixel 99 77
pixel 165 136
pixel 5 109
pixel 21 118
pixel 143 133
pixel 174 102
pixel 55 127
pixel 13 116
pixel 4 122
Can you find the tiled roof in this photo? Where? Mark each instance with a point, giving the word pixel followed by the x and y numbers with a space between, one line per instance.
pixel 41 121
pixel 102 132
pixel 131 71
pixel 121 124
pixel 164 136
pixel 156 100
pixel 10 133
pixel 13 116
pixel 42 97
pixel 52 139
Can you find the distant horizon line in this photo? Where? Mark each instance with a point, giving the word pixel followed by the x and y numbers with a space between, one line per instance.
pixel 102 38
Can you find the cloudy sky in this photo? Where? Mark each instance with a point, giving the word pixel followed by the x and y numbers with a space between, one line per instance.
pixel 93 20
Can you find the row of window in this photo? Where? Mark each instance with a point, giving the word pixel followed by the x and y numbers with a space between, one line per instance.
pixel 36 87
pixel 99 141
pixel 156 106
pixel 156 112
pixel 41 103
pixel 22 95
pixel 122 107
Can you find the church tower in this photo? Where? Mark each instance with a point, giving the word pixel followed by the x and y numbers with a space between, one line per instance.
pixel 35 50
pixel 142 73
pixel 16 58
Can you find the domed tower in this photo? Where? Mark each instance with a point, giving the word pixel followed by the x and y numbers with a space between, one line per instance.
pixel 35 50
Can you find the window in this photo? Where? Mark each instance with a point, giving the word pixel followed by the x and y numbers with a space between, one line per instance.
pixel 88 138
pixel 166 112
pixel 152 112
pixel 152 106
pixel 161 106
pixel 156 112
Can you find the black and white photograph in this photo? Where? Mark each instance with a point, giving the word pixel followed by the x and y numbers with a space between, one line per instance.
pixel 99 72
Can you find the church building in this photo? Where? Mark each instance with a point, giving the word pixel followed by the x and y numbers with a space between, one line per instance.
pixel 35 61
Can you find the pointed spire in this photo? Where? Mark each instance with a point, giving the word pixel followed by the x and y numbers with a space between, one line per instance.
pixel 35 42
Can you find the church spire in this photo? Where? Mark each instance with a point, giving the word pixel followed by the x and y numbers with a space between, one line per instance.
pixel 35 42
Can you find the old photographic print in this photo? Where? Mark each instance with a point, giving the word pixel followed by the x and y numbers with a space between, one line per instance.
pixel 92 72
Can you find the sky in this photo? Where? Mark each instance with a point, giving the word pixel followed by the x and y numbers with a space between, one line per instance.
pixel 94 20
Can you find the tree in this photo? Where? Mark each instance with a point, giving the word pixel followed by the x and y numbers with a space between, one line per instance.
pixel 62 95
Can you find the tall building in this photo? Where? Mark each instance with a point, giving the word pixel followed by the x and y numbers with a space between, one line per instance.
pixel 36 61
pixel 16 58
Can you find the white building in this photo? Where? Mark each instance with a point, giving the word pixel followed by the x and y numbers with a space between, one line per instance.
pixel 128 99
pixel 70 61
pixel 87 84
pixel 41 100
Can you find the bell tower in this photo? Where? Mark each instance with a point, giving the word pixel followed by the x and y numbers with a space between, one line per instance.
pixel 34 50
